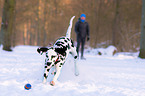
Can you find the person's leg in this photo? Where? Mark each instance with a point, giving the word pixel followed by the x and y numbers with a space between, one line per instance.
pixel 78 45
pixel 82 49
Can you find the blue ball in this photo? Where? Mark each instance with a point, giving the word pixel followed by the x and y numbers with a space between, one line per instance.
pixel 27 86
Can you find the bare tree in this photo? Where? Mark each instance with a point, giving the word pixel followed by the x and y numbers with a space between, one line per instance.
pixel 142 41
pixel 1 6
pixel 115 25
pixel 7 23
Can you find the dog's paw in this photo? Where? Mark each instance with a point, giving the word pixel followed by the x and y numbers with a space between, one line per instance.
pixel 52 83
pixel 44 81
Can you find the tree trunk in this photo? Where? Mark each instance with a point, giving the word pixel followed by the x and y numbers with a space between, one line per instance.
pixel 115 35
pixel 98 21
pixel 1 6
pixel 142 40
pixel 44 24
pixel 7 24
pixel 38 24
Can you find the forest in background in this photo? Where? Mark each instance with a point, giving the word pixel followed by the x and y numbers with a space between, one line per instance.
pixel 40 22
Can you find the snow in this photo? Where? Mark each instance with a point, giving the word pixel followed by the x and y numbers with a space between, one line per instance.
pixel 100 75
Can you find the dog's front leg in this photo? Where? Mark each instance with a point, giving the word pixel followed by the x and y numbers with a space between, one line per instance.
pixel 47 68
pixel 58 69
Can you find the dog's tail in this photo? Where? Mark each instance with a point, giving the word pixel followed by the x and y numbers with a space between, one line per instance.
pixel 68 33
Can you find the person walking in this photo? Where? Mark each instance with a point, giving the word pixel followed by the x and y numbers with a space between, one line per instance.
pixel 82 31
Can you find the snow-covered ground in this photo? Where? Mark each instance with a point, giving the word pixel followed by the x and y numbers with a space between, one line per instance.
pixel 105 75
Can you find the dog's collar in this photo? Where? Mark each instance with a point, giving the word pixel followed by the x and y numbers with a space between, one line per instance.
pixel 57 57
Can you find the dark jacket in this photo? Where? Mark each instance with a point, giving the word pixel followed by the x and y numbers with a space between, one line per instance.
pixel 82 29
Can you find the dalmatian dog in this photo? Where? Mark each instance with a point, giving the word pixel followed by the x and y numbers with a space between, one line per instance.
pixel 56 55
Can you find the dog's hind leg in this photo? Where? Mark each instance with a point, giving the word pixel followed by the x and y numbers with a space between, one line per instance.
pixel 74 53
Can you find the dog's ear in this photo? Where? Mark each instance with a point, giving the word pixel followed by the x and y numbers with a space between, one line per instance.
pixel 41 50
pixel 38 50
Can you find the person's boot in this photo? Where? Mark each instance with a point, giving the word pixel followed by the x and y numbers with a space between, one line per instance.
pixel 83 58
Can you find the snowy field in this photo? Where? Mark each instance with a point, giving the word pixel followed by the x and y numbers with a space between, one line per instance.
pixel 106 75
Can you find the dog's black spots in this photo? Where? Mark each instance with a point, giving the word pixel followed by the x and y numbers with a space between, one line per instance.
pixel 45 66
pixel 64 54
pixel 61 50
pixel 48 70
pixel 68 39
pixel 68 46
pixel 46 54
pixel 62 58
pixel 70 52
pixel 52 57
pixel 48 63
pixel 61 38
pixel 65 41
pixel 43 49
pixel 54 73
pixel 72 43
pixel 60 42
pixel 59 66
pixel 75 57
pixel 52 65
pixel 51 48
pixel 61 63
pixel 56 62
pixel 45 75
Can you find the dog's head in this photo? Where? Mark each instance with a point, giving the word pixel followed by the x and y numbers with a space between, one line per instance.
pixel 51 54
pixel 49 51
pixel 42 50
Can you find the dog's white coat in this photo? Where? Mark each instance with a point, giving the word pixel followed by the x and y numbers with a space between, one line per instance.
pixel 52 52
